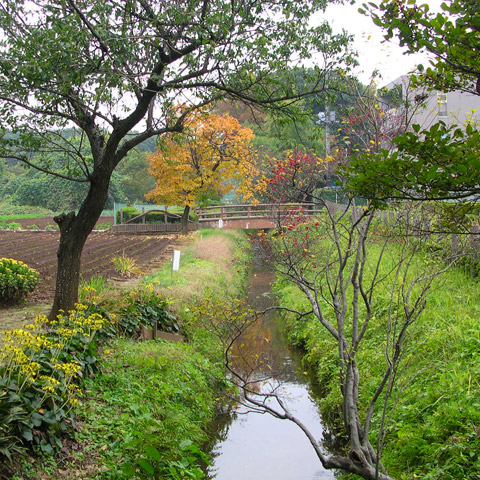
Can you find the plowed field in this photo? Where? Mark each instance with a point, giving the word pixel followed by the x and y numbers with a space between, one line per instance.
pixel 39 250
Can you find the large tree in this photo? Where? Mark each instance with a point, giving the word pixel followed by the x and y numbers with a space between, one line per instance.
pixel 105 68
pixel 213 152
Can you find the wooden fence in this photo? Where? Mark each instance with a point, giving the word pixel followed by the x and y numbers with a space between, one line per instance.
pixel 152 228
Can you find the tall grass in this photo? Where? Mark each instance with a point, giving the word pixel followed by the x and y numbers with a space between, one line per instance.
pixel 434 429
pixel 214 265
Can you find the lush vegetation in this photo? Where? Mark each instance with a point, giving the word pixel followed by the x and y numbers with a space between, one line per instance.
pixel 16 280
pixel 215 266
pixel 41 370
pixel 7 210
pixel 143 306
pixel 28 190
pixel 141 407
pixel 434 411
pixel 437 382
pixel 147 419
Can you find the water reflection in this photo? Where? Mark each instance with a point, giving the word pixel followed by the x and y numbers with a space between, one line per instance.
pixel 252 446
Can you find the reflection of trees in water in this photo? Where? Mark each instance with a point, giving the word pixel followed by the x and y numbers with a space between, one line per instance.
pixel 217 433
pixel 260 353
pixel 291 370
pixel 260 357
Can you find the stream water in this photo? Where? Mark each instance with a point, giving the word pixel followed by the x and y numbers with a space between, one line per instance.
pixel 254 446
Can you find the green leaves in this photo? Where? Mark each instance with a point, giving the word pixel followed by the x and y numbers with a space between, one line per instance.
pixel 152 452
pixel 41 369
pixel 146 466
pixel 167 398
pixel 452 37
pixel 145 307
pixel 89 60
pixel 438 163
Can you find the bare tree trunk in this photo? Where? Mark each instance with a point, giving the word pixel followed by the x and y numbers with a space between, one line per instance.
pixel 74 230
pixel 184 220
pixel 68 266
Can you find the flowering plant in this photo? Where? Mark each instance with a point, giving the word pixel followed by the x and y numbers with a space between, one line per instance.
pixel 16 280
pixel 41 368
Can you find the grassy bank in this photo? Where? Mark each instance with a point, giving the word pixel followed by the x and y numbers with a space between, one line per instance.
pixel 434 430
pixel 144 414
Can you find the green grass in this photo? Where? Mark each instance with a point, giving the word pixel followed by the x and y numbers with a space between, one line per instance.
pixel 4 218
pixel 434 432
pixel 215 265
pixel 148 410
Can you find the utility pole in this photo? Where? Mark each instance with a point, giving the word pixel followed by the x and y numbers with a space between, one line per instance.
pixel 327 130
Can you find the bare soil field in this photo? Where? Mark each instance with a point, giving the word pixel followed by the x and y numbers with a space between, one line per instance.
pixel 38 250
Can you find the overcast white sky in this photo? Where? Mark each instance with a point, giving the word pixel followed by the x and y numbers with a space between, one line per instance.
pixel 387 58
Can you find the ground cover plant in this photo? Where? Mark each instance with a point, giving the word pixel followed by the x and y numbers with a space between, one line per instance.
pixel 429 425
pixel 147 420
pixel 143 306
pixel 41 370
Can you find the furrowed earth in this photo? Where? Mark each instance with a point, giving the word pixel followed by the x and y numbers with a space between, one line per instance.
pixel 38 249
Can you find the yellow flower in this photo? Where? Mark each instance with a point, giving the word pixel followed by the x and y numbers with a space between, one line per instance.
pixel 71 368
pixel 48 389
pixel 50 380
pixel 74 389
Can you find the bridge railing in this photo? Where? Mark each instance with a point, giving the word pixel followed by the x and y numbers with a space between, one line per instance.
pixel 264 210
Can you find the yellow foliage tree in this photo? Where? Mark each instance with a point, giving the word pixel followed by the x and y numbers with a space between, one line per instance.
pixel 213 153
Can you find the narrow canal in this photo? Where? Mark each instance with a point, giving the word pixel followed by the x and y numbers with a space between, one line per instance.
pixel 254 446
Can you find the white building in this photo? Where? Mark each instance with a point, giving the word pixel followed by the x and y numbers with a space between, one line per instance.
pixel 425 107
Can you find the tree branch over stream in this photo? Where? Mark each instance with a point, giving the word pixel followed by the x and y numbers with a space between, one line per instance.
pixel 356 274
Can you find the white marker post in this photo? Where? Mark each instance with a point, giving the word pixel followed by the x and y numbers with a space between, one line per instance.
pixel 176 261
pixel 220 223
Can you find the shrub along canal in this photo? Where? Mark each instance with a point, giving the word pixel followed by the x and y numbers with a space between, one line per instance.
pixel 249 445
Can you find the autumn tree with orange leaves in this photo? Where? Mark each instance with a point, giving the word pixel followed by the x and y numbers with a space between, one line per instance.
pixel 212 153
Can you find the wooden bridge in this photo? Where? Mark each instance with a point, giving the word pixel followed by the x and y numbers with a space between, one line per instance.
pixel 262 215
